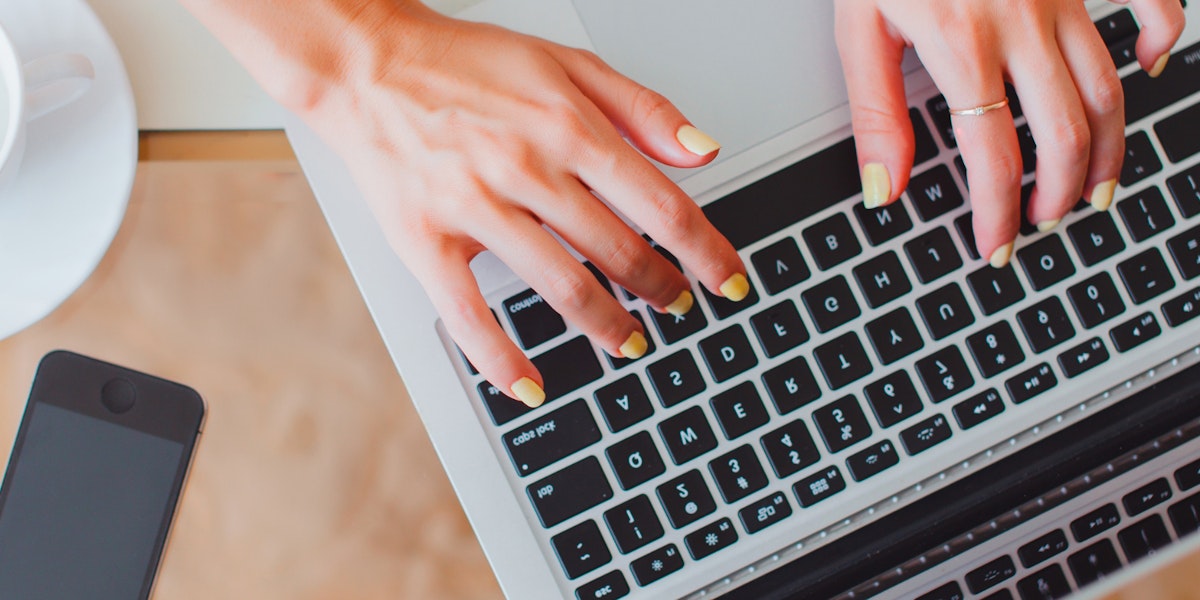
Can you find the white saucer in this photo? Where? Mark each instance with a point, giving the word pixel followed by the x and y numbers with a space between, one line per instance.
pixel 59 216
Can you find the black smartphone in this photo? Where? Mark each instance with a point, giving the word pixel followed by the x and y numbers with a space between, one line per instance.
pixel 93 481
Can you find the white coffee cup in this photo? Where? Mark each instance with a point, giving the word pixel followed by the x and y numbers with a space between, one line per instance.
pixel 31 89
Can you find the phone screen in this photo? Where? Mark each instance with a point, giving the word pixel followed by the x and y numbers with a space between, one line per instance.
pixel 86 506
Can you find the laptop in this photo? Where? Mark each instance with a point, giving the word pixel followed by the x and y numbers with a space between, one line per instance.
pixel 886 415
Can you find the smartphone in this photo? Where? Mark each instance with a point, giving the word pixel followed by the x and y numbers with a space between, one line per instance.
pixel 92 485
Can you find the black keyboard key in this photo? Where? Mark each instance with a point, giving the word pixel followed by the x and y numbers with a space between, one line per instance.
pixel 1028 148
pixel 1146 497
pixel 1046 324
pixel 1026 228
pixel 1182 308
pixel 624 403
pixel 790 449
pixel 1095 522
pixel 723 308
pixel 737 474
pixel 739 410
pixel 676 378
pixel 945 311
pixel 995 349
pixel 765 513
pixel 1045 262
pixel 925 435
pixel 1145 95
pixel 831 304
pixel 1188 476
pixel 656 565
pixel 978 408
pixel 1140 159
pixel 568 367
pixel 995 289
pixel 673 328
pixel 948 591
pixel 633 524
pixel 987 575
pixel 933 255
pixel 1096 238
pixel 779 328
pixel 1082 358
pixel 843 360
pixel 1134 332
pixel 581 549
pixel 501 408
pixel 610 586
pixel 1145 214
pixel 1043 548
pixel 1048 584
pixel 635 460
pixel 1094 562
pixel 687 435
pixel 934 193
pixel 882 279
pixel 832 242
pixel 1185 515
pixel 686 499
pixel 1185 249
pixel 1030 383
pixel 1144 538
pixel 872 461
pixel 841 423
pixel 1177 134
pixel 532 318
pixel 552 437
pixel 780 265
pixel 883 223
pixel 894 336
pixel 966 231
pixel 709 539
pixel 1117 27
pixel 816 488
pixel 728 353
pixel 893 399
pixel 944 373
pixel 939 111
pixel 1124 53
pixel 926 148
pixel 1185 189
pixel 1096 300
pixel 791 385
pixel 562 495
pixel 599 275
pixel 1146 276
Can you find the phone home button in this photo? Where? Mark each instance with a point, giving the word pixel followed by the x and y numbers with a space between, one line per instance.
pixel 118 395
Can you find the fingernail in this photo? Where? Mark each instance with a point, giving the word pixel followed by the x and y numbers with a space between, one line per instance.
pixel 735 288
pixel 1102 194
pixel 1001 255
pixel 1047 225
pixel 697 142
pixel 1159 65
pixel 528 391
pixel 635 346
pixel 876 184
pixel 682 304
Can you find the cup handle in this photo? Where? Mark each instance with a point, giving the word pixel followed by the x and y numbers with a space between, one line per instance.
pixel 55 81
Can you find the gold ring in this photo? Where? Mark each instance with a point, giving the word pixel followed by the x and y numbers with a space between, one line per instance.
pixel 979 110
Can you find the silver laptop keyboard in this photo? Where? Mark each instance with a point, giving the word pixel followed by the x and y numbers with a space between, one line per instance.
pixel 870 339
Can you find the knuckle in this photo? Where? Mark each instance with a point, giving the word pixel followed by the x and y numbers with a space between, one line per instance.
pixel 1108 97
pixel 628 259
pixel 1071 139
pixel 673 215
pixel 571 291
pixel 647 104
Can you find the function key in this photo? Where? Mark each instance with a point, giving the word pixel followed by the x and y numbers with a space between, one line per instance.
pixel 728 353
pixel 791 385
pixel 948 591
pixel 831 304
pixel 1095 522
pixel 633 524
pixel 893 398
pixel 765 513
pixel 991 573
pixel 1176 133
pixel 739 410
pixel 1140 159
pixel 687 435
pixel 872 460
pixel 552 437
pixel 673 328
pixel 1144 538
pixel 790 448
pixel 843 360
pixel 926 148
pixel 1146 276
pixel 894 336
pixel 1145 214
pixel 1146 497
pixel 618 363
pixel 1185 515
pixel 779 328
pixel 841 423
pixel 1045 547
pixel 925 435
pixel 676 378
pixel 1084 357
pixel 610 586
pixel 978 408
pixel 1096 300
pixel 1045 262
pixel 1188 476
pixel 934 193
pixel 1134 332
pixel 780 266
pixel 709 539
pixel 832 242
pixel 1123 53
pixel 532 318
pixel 1046 584
pixel 939 111
pixel 995 289
pixel 1117 27
pixel 564 494
pixel 686 499
pixel 1095 561
pixel 1095 238
pixel 995 349
pixel 933 255
pixel 738 474
pixel 1046 324
pixel 723 308
pixel 966 231
pixel 1030 383
pixel 1181 309
pixel 945 311
pixel 1185 249
pixel 1185 189
pixel 635 460
pixel 581 549
pixel 624 403
pixel 882 279
pixel 944 373
pixel 816 488
pixel 656 565
pixel 882 223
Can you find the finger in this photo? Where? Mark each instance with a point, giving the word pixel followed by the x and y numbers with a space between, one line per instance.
pixel 871 57
pixel 1162 24
pixel 1103 100
pixel 647 118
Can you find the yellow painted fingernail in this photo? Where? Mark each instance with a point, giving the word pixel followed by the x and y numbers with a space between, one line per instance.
pixel 1001 255
pixel 635 346
pixel 876 184
pixel 682 304
pixel 1159 65
pixel 528 391
pixel 735 288
pixel 1048 224
pixel 697 142
pixel 1102 194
